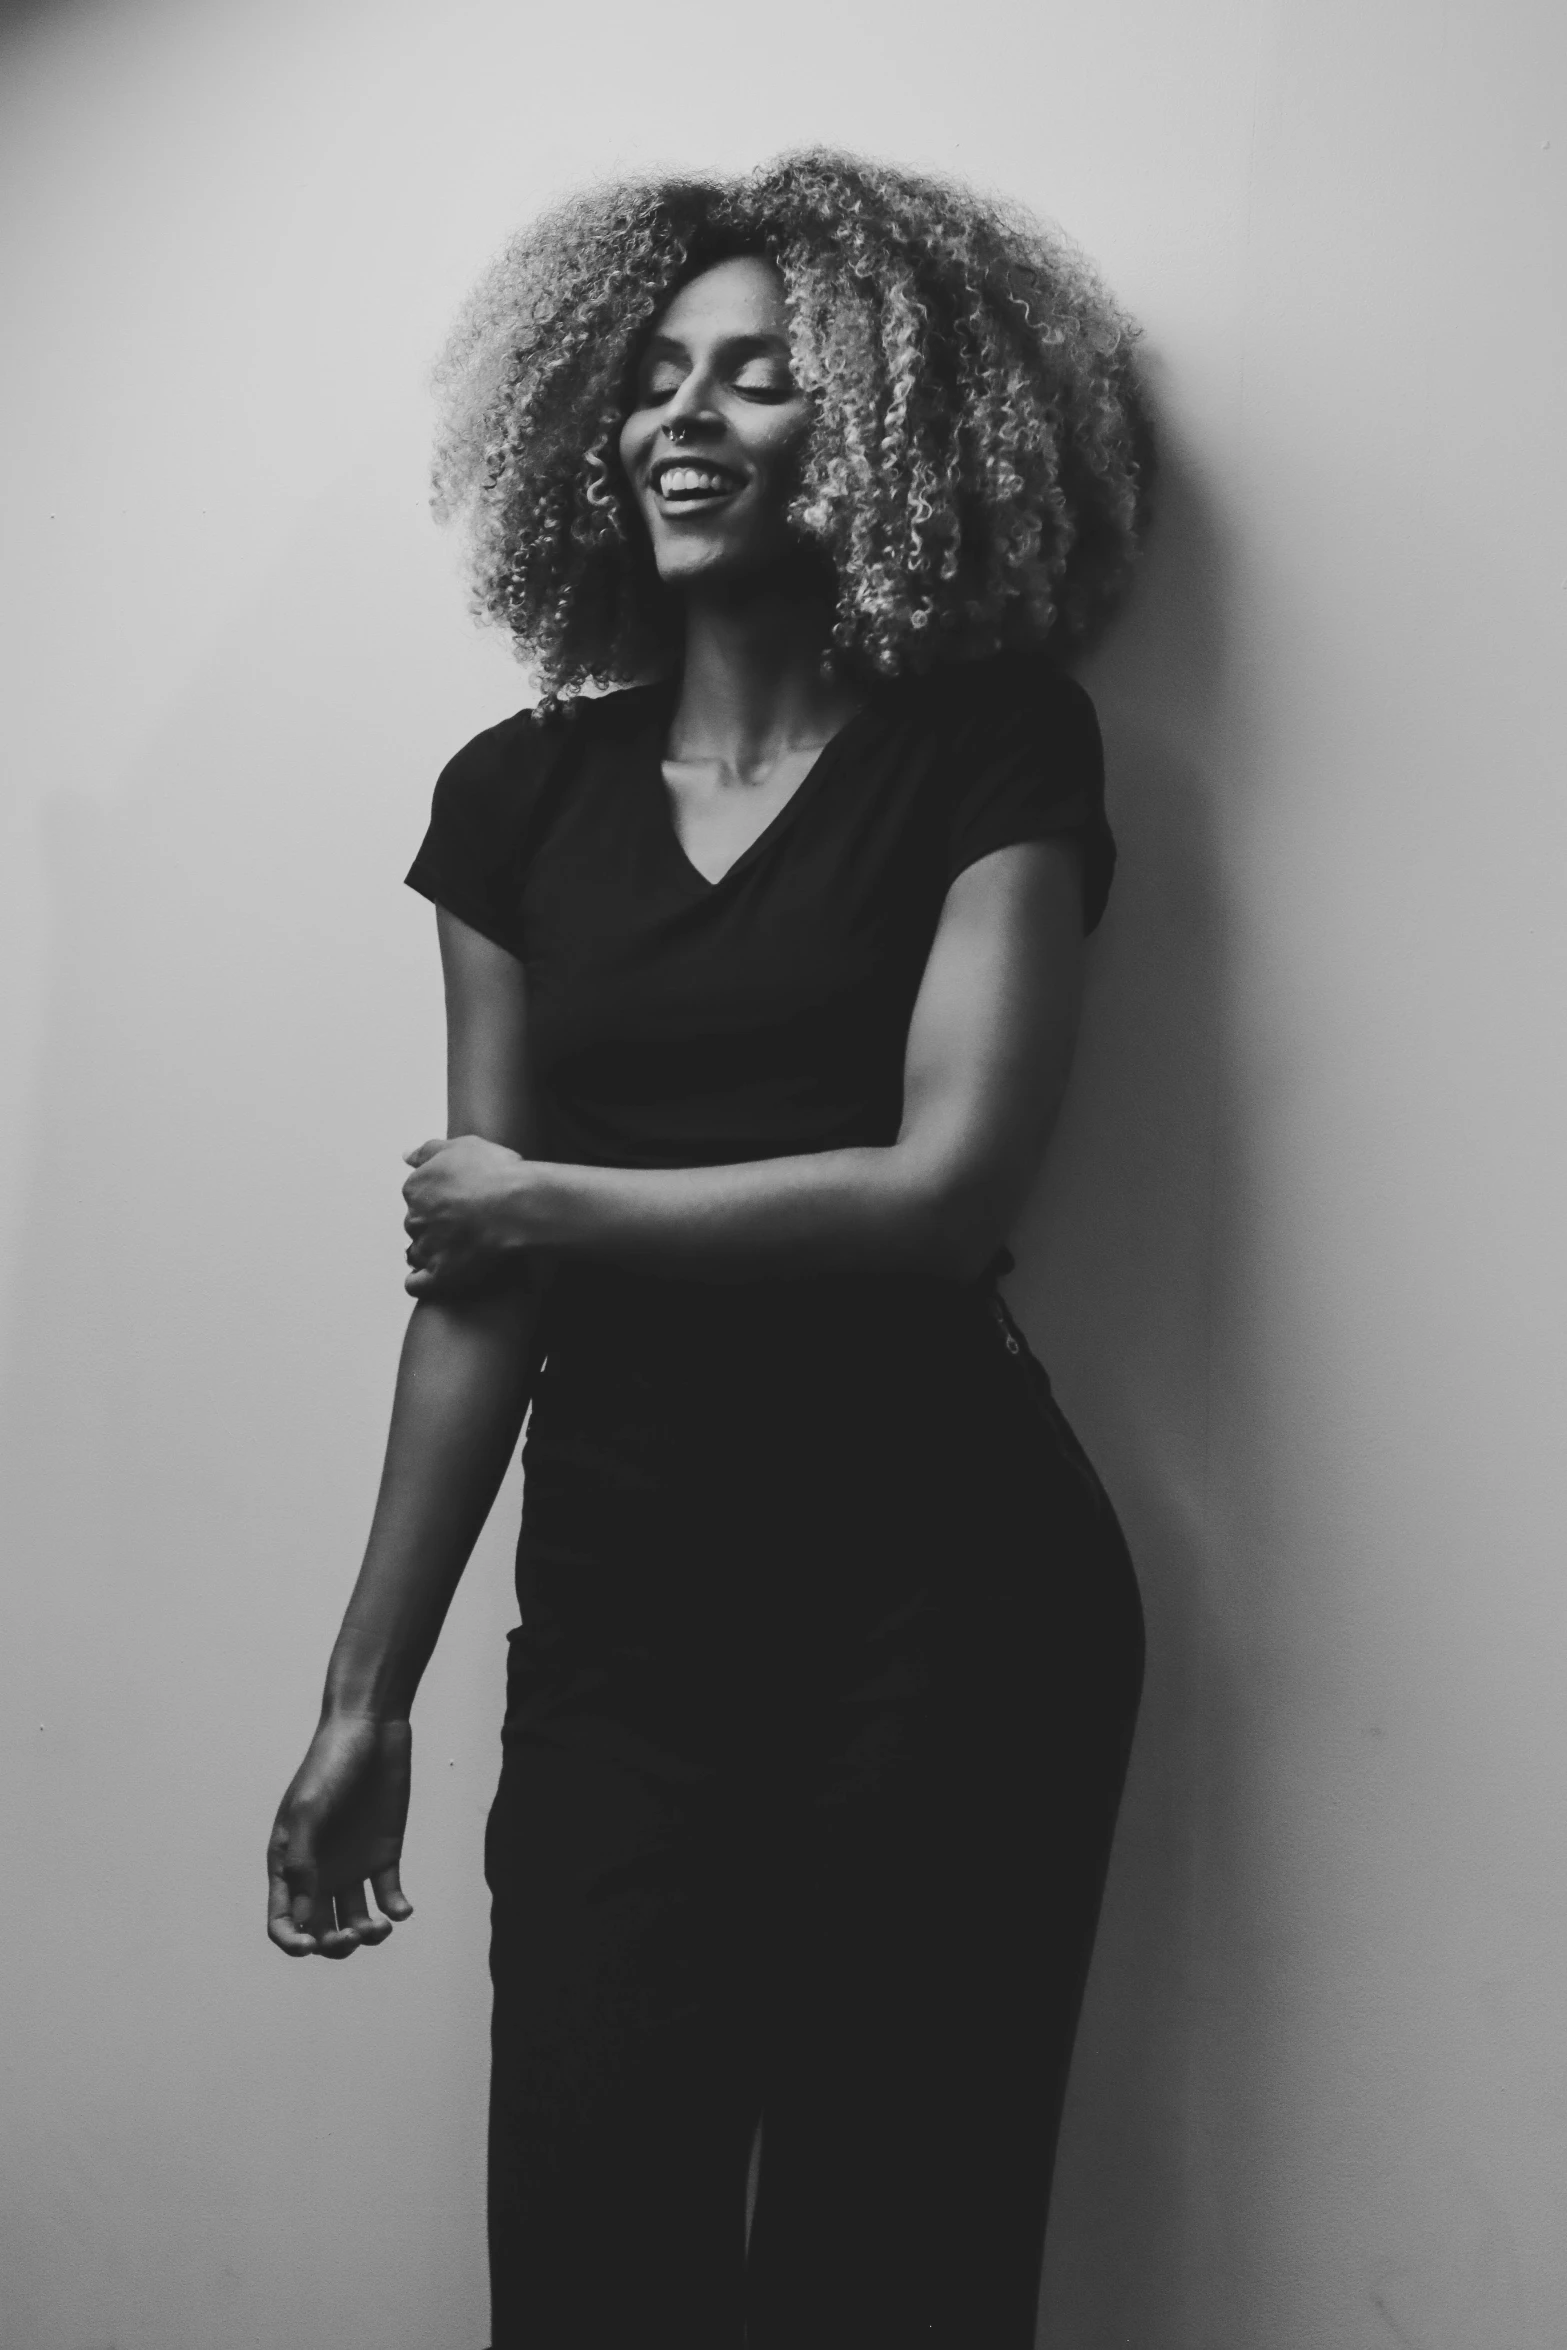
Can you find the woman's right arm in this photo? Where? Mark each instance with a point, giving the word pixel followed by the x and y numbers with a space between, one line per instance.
pixel 463 1385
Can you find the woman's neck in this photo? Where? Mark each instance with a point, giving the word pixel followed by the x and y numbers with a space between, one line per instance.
pixel 755 682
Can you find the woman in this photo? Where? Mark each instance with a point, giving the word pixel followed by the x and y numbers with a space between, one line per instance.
pixel 761 978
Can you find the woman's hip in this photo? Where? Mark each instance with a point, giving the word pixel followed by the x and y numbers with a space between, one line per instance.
pixel 968 1562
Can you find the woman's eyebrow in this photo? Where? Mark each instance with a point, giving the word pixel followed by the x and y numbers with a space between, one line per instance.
pixel 731 346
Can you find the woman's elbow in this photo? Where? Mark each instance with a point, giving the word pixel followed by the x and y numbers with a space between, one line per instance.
pixel 956 1231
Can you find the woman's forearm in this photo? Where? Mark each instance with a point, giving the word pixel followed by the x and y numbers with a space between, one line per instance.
pixel 462 1389
pixel 891 1206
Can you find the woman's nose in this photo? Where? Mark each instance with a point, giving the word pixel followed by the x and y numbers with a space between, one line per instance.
pixel 688 415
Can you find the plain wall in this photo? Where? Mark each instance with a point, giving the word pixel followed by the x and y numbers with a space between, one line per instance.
pixel 1297 1261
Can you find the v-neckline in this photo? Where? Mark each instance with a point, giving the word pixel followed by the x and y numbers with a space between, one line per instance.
pixel 704 882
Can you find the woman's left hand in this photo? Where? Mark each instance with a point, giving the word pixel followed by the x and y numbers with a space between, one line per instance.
pixel 465 1220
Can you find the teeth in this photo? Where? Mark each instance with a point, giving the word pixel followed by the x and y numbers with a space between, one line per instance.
pixel 676 481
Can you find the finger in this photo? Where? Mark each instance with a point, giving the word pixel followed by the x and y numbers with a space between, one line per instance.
pixel 286 1935
pixel 387 1886
pixel 353 1916
pixel 294 1862
pixel 426 1150
pixel 312 1912
pixel 335 1939
pixel 438 1277
pixel 281 1928
pixel 308 1919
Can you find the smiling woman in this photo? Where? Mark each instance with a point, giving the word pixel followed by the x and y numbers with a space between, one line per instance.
pixel 715 380
pixel 979 457
pixel 762 977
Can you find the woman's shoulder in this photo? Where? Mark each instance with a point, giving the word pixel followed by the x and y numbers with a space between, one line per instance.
pixel 516 752
pixel 1012 695
pixel 494 804
pixel 1019 759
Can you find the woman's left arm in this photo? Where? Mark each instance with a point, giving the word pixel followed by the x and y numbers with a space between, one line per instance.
pixel 990 1044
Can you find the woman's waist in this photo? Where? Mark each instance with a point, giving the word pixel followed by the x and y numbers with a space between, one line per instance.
pixel 669 1345
pixel 670 1310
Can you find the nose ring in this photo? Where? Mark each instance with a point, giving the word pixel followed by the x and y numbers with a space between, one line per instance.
pixel 675 429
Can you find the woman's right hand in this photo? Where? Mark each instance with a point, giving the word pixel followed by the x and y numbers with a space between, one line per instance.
pixel 339 1828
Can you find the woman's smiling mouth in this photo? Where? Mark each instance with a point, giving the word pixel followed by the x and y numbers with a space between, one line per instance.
pixel 686 481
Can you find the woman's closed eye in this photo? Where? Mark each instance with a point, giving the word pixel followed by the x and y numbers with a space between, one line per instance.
pixel 661 382
pixel 759 376
pixel 755 383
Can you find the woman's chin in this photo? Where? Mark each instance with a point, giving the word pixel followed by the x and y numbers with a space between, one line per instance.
pixel 684 561
pixel 728 570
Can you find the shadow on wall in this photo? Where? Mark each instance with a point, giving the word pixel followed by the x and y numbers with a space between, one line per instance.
pixel 1115 1281
pixel 20 16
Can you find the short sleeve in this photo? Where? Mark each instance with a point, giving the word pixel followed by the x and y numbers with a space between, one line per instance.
pixel 1027 764
pixel 474 853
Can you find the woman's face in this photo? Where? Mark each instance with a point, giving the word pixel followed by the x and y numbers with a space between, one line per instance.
pixel 711 445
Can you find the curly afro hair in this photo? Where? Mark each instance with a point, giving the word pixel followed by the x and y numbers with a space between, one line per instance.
pixel 977 466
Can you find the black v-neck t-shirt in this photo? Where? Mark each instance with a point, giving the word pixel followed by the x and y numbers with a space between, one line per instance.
pixel 676 1021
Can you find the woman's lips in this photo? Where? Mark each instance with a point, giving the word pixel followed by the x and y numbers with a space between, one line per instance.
pixel 689 482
